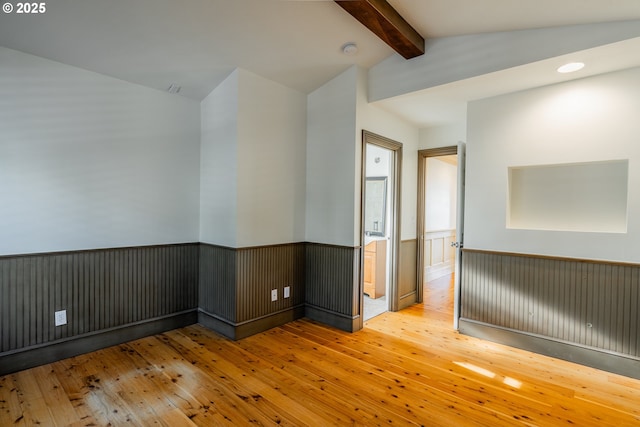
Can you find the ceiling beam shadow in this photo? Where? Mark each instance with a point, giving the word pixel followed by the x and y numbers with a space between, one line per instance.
pixel 385 22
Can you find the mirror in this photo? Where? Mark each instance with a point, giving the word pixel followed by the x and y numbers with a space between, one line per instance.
pixel 375 209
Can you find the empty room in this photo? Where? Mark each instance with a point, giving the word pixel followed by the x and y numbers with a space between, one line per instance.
pixel 318 212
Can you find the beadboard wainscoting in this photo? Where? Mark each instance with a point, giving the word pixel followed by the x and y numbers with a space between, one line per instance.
pixel 235 287
pixel 116 295
pixel 333 293
pixel 110 296
pixel 579 310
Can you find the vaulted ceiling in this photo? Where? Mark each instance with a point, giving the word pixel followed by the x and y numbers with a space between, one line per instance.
pixel 197 43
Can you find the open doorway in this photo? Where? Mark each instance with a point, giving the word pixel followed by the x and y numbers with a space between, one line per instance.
pixel 380 225
pixel 440 228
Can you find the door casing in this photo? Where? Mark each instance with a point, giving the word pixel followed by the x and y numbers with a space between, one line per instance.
pixel 394 252
pixel 422 173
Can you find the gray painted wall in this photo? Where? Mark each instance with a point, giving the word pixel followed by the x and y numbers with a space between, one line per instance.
pixel 587 304
pixel 235 287
pixel 332 285
pixel 115 295
pixel 101 290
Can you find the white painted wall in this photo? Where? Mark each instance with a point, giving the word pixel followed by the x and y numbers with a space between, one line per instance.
pixel 593 119
pixel 88 161
pixel 253 163
pixel 271 162
pixel 337 114
pixel 569 197
pixel 333 163
pixel 443 136
pixel 440 195
pixel 381 122
pixel 219 164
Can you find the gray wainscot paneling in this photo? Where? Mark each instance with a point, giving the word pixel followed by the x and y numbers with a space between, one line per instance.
pixel 235 287
pixel 110 296
pixel 407 276
pixel 333 294
pixel 579 310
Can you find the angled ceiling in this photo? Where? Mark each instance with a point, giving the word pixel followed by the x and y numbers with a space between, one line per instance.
pixel 197 43
pixel 447 104
pixel 386 23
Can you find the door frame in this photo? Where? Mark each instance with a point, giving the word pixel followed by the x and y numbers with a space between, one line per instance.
pixel 394 252
pixel 422 175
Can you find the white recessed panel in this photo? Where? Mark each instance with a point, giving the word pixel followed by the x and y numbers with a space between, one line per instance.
pixel 587 197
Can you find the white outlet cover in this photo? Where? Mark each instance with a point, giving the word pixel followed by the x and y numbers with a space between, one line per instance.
pixel 274 295
pixel 61 317
pixel 287 292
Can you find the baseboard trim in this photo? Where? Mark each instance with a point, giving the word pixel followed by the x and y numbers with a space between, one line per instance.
pixel 407 300
pixel 332 318
pixel 236 331
pixel 30 357
pixel 596 358
pixel 216 323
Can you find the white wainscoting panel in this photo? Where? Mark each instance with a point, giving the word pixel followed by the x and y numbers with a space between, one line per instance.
pixel 439 254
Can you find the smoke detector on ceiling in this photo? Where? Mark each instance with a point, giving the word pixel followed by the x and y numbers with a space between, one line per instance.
pixel 173 88
pixel 349 48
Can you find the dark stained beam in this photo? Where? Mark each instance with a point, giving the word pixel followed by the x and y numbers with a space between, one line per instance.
pixel 385 22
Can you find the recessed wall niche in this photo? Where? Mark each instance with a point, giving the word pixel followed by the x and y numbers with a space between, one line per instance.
pixel 586 197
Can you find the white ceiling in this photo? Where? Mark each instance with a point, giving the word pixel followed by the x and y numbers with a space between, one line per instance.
pixel 197 43
pixel 446 104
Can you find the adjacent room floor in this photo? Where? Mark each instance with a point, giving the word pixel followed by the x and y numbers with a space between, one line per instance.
pixel 374 307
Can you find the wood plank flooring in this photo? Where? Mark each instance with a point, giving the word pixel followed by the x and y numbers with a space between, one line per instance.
pixel 406 368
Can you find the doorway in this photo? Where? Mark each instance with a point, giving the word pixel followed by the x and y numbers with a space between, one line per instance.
pixel 440 228
pixel 380 224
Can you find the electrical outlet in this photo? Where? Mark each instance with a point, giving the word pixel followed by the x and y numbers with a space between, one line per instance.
pixel 287 292
pixel 61 317
pixel 274 295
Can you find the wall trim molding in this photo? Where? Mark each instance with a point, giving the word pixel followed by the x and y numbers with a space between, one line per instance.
pixel 275 245
pixel 241 248
pixel 107 249
pixel 551 257
pixel 333 318
pixel 29 357
pixel 589 356
pixel 239 330
pixel 216 323
pixel 407 300
pixel 332 245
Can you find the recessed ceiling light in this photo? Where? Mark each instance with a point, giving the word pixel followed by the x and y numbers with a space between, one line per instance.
pixel 571 67
pixel 349 48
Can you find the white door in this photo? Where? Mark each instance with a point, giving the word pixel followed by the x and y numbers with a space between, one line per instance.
pixel 459 235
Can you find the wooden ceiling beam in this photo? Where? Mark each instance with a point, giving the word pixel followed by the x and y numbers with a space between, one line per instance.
pixel 385 22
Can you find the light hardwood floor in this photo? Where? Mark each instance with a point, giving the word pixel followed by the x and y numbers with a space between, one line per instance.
pixel 406 368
